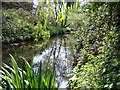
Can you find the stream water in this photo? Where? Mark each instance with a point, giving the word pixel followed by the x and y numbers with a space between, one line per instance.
pixel 58 52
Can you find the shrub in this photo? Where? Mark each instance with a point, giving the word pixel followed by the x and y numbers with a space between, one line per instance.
pixel 98 64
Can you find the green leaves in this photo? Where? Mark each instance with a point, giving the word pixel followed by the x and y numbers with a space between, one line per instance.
pixel 23 25
pixel 16 78
pixel 15 68
pixel 98 64
pixel 46 35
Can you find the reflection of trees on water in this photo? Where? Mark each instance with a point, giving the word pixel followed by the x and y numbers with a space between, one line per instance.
pixel 59 56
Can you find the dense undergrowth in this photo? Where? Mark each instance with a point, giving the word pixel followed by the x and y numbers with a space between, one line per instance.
pixel 21 24
pixel 98 46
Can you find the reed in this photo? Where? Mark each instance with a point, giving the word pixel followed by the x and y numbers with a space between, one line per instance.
pixel 16 78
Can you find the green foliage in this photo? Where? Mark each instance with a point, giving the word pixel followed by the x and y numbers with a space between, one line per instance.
pixel 16 78
pixel 98 66
pixel 15 27
pixel 21 24
pixel 18 26
pixel 97 31
pixel 17 5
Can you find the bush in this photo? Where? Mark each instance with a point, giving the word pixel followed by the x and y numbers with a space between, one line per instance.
pixel 98 64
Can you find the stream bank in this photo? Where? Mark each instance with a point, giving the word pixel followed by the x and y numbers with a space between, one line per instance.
pixel 58 52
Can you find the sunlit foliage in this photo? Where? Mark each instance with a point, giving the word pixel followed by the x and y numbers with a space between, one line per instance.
pixel 99 62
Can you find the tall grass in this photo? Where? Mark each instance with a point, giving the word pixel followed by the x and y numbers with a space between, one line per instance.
pixel 17 78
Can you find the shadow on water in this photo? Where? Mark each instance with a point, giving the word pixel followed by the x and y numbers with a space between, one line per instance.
pixel 58 53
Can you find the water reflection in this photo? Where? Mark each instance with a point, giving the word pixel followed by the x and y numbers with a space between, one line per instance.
pixel 58 53
pixel 58 56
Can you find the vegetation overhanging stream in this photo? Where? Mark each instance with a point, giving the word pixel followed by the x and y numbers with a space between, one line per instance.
pixel 90 53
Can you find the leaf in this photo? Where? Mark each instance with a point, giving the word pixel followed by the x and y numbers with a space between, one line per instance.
pixel 15 67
